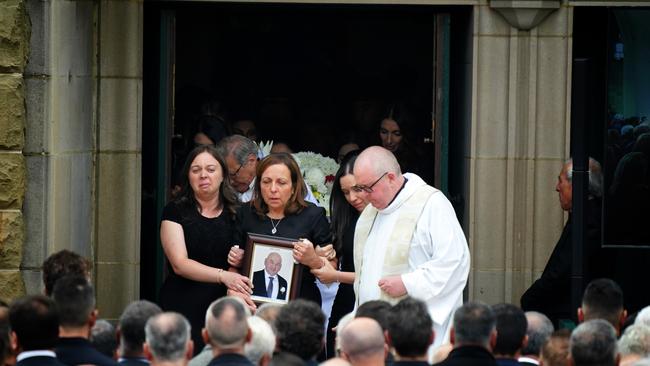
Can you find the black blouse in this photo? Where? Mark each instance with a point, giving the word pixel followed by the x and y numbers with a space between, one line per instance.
pixel 310 223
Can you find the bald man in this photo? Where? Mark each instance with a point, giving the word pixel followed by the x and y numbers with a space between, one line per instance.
pixel 267 282
pixel 407 241
pixel 362 343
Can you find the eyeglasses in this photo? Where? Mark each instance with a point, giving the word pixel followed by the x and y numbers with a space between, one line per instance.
pixel 234 175
pixel 368 189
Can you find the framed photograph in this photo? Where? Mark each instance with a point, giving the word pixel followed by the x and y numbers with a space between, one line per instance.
pixel 268 262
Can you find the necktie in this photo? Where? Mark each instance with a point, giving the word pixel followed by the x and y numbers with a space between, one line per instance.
pixel 269 290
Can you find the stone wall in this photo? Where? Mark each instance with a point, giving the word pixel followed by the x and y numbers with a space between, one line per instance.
pixel 14 41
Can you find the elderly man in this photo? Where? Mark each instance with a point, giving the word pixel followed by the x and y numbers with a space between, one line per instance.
pixel 227 332
pixel 131 331
pixel 473 336
pixel 362 343
pixel 555 351
pixel 593 343
pixel 551 293
pixel 262 345
pixel 538 331
pixel 634 344
pixel 407 241
pixel 167 340
pixel 267 282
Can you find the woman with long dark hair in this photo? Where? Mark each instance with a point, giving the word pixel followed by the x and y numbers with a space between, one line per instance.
pixel 197 231
pixel 345 207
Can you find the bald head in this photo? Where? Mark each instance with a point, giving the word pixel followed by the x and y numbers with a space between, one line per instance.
pixel 378 160
pixel 378 176
pixel 273 263
pixel 362 339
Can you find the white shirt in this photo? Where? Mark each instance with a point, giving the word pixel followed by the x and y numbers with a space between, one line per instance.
pixel 37 353
pixel 438 259
pixel 276 286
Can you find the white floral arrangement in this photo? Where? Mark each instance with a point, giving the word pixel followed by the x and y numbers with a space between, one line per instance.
pixel 264 148
pixel 319 172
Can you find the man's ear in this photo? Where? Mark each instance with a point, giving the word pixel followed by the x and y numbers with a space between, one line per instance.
pixel 147 351
pixel 387 339
pixel 621 320
pixel 249 336
pixel 452 336
pixel 524 342
pixel 493 339
pixel 92 318
pixel 432 337
pixel 581 315
pixel 189 350
pixel 13 342
pixel 205 336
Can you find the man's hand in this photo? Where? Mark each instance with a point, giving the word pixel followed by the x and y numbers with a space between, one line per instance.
pixel 393 286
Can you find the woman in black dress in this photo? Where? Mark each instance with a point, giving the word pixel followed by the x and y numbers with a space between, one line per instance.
pixel 279 209
pixel 197 231
pixel 345 206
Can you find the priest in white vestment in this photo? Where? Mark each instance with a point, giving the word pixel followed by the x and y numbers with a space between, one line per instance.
pixel 407 241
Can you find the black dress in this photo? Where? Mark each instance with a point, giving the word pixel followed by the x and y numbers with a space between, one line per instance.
pixel 208 241
pixel 310 223
pixel 344 300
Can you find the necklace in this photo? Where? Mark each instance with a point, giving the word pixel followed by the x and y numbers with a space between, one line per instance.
pixel 275 225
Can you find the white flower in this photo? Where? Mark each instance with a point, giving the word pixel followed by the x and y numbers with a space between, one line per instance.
pixel 315 168
pixel 283 290
pixel 265 147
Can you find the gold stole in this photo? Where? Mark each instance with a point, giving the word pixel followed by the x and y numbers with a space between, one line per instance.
pixel 399 243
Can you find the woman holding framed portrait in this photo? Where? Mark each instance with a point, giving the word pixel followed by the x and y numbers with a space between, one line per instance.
pixel 278 209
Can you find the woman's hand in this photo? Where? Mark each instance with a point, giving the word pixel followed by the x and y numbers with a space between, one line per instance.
pixel 304 252
pixel 236 282
pixel 235 256
pixel 246 297
pixel 327 252
pixel 327 273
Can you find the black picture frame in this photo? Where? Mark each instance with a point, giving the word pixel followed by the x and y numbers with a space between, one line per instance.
pixel 257 248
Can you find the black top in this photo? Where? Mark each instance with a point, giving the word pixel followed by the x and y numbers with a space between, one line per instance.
pixel 344 300
pixel 208 241
pixel 79 351
pixel 230 359
pixel 469 356
pixel 40 361
pixel 310 223
pixel 133 361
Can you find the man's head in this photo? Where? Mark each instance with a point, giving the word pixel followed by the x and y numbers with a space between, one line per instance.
pixel 603 299
pixel 378 176
pixel 167 337
pixel 269 311
pixel 226 325
pixel 362 342
pixel 379 310
pixel 104 338
pixel 300 329
pixel 634 344
pixel 63 263
pixel 260 349
pixel 474 324
pixel 245 127
pixel 511 330
pixel 240 154
pixel 410 328
pixel 131 326
pixel 34 322
pixel 273 263
pixel 555 351
pixel 564 186
pixel 538 331
pixel 593 343
pixel 75 301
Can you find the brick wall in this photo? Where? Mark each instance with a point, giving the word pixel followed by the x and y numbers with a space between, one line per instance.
pixel 14 41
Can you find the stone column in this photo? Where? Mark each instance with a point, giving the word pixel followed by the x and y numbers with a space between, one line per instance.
pixel 519 139
pixel 14 46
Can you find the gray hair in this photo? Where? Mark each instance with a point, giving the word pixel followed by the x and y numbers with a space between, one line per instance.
pixel 102 337
pixel 538 331
pixel 345 319
pixel 635 341
pixel 227 329
pixel 167 336
pixel 643 317
pixel 593 343
pixel 263 341
pixel 237 146
pixel 132 323
pixel 595 176
pixel 474 322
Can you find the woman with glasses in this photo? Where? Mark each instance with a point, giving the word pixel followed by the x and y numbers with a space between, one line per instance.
pixel 197 231
pixel 278 208
pixel 345 206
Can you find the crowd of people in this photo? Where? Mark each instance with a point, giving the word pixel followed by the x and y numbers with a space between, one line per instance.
pixel 392 245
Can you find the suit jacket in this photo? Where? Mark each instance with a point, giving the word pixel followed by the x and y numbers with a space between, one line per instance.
pixel 40 361
pixel 230 359
pixel 469 356
pixel 79 351
pixel 259 285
